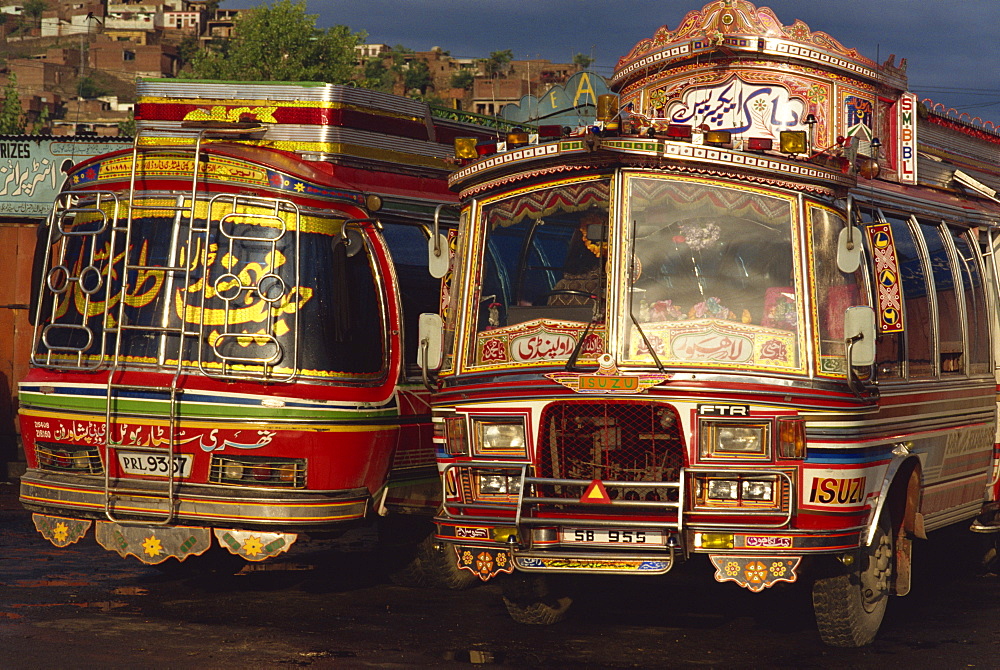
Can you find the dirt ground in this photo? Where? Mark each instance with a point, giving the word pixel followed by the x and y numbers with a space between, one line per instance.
pixel 83 607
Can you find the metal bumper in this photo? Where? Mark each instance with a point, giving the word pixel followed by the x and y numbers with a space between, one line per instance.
pixel 85 497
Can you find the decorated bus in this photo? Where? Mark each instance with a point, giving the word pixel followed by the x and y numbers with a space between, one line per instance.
pixel 225 322
pixel 748 316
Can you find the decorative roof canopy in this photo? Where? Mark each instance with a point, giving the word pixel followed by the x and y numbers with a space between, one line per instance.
pixel 738 28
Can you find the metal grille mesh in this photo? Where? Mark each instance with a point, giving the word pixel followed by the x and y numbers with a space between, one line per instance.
pixel 67 459
pixel 611 441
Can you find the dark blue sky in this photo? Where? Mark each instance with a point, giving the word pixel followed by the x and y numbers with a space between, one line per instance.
pixel 952 46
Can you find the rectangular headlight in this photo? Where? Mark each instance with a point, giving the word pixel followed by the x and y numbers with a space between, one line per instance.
pixel 494 484
pixel 734 439
pixel 758 490
pixel 501 438
pixel 723 489
pixel 734 490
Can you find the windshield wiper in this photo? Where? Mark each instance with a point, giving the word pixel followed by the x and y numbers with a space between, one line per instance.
pixel 571 361
pixel 642 334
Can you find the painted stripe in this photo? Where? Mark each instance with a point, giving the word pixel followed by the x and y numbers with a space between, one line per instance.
pixel 328 427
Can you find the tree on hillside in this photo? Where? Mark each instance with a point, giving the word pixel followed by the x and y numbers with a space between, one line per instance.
pixel 11 116
pixel 498 63
pixel 280 42
pixel 89 88
pixel 416 77
pixel 34 9
pixel 188 49
pixel 583 61
pixel 463 79
pixel 377 76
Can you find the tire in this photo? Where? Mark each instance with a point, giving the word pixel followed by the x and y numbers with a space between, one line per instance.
pixel 850 604
pixel 432 564
pixel 990 561
pixel 529 600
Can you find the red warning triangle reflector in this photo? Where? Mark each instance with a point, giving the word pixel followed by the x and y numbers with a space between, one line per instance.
pixel 595 493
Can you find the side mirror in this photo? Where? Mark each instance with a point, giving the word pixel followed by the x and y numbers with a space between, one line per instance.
pixel 849 249
pixel 429 335
pixel 849 241
pixel 859 332
pixel 437 247
pixel 437 256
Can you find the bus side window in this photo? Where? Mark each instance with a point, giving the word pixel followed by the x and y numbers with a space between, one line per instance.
pixel 976 314
pixel 951 345
pixel 915 344
pixel 419 292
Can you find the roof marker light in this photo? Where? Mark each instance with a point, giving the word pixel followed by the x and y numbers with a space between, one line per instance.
pixel 550 132
pixel 793 141
pixel 718 137
pixel 516 138
pixel 679 131
pixel 465 147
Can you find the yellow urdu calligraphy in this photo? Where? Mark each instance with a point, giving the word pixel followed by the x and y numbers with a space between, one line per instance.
pixel 148 284
pixel 242 283
pixel 257 312
pixel 232 115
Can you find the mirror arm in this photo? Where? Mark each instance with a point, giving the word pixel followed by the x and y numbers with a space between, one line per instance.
pixel 437 226
pixel 425 346
pixel 852 379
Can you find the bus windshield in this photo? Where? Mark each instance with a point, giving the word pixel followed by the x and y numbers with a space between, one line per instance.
pixel 712 278
pixel 545 256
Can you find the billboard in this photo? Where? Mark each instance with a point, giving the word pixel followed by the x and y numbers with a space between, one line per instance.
pixel 33 168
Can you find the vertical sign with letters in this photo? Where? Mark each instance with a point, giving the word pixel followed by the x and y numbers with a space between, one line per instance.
pixel 906 133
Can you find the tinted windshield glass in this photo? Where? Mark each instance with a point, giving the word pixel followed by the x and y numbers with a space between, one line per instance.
pixel 257 292
pixel 543 273
pixel 544 256
pixel 712 277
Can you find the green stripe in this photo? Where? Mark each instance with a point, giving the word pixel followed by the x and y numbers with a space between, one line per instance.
pixel 193 410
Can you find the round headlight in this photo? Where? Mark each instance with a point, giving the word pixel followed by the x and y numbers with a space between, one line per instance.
pixel 232 470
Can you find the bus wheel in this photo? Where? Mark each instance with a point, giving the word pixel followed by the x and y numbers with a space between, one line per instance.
pixel 529 600
pixel 991 555
pixel 850 604
pixel 432 564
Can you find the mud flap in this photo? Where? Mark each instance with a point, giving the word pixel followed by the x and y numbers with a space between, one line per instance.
pixel 255 545
pixel 484 563
pixel 59 531
pixel 153 544
pixel 755 573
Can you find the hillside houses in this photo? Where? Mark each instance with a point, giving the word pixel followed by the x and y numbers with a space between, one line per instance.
pixel 76 61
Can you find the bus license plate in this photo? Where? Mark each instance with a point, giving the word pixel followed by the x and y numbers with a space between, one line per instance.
pixel 613 536
pixel 154 465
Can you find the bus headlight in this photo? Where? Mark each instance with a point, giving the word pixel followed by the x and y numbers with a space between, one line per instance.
pixel 737 490
pixel 734 439
pixel 723 489
pixel 758 490
pixel 501 438
pixel 494 484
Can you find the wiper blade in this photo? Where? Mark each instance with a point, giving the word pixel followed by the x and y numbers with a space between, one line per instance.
pixel 642 334
pixel 571 361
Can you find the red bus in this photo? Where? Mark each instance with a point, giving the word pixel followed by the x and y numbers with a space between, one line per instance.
pixel 224 350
